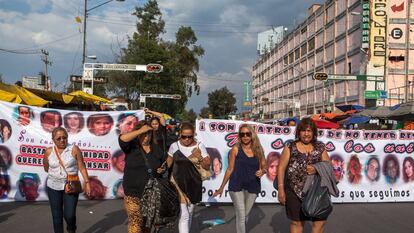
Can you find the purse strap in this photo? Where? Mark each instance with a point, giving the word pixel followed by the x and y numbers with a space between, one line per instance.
pixel 60 160
pixel 149 169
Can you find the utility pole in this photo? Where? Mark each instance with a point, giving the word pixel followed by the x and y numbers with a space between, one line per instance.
pixel 45 59
pixel 85 12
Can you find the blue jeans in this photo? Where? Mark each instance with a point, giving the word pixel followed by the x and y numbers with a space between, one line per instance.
pixel 63 206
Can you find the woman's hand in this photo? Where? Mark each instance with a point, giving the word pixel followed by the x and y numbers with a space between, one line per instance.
pixel 163 168
pixel 197 154
pixel 310 169
pixel 281 196
pixel 260 172
pixel 218 192
pixel 87 189
pixel 146 128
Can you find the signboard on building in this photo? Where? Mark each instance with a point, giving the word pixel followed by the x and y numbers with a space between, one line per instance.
pixel 365 24
pixel 247 94
pixel 375 95
pixel 378 34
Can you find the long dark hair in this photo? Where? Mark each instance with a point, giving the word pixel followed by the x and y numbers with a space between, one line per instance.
pixel 303 125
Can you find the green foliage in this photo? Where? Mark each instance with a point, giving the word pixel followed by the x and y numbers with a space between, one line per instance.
pixel 185 115
pixel 179 58
pixel 204 112
pixel 221 102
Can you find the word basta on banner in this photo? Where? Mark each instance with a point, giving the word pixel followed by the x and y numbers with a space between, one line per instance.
pixel 369 166
pixel 25 133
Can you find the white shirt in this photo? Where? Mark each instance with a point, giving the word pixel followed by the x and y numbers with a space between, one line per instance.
pixel 56 177
pixel 186 150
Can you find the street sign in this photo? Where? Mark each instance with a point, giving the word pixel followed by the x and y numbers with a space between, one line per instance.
pixel 161 96
pixel 154 68
pixel 123 67
pixel 359 77
pixel 375 94
pixel 320 76
pixel 96 80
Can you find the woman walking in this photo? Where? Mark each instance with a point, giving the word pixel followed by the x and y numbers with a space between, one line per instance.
pixel 185 175
pixel 295 165
pixel 136 145
pixel 60 161
pixel 246 166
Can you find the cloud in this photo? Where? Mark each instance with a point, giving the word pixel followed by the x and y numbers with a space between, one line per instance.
pixel 227 30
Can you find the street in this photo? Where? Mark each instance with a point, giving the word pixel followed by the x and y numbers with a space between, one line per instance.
pixel 109 216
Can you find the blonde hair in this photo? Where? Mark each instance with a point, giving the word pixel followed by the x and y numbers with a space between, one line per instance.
pixel 256 146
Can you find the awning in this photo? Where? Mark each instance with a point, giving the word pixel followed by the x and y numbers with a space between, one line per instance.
pixel 56 97
pixel 348 107
pixel 10 97
pixel 96 99
pixel 26 96
pixel 404 112
pixel 355 119
pixel 323 124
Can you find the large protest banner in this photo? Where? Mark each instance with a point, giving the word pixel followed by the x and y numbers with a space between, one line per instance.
pixel 370 166
pixel 25 133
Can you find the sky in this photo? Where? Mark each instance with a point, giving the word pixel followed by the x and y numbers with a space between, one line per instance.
pixel 227 30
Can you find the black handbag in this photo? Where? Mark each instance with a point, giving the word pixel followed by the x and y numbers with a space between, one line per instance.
pixel 160 205
pixel 317 201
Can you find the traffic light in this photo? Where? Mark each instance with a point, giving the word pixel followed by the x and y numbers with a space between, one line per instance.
pixel 320 76
pixel 154 68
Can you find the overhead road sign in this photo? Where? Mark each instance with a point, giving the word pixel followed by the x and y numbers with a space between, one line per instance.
pixel 320 76
pixel 359 77
pixel 161 96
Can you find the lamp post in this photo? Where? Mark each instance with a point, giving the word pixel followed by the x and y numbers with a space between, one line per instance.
pixel 85 15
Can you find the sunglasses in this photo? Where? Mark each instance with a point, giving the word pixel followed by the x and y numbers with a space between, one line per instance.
pixel 187 136
pixel 61 138
pixel 245 134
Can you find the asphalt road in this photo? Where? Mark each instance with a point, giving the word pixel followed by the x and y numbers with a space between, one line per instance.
pixel 109 216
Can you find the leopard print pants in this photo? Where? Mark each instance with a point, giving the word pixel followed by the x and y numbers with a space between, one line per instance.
pixel 135 221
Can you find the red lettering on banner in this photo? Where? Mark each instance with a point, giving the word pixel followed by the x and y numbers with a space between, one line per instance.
pixel 358 148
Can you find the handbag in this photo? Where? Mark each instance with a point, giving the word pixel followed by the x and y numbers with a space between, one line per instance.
pixel 159 202
pixel 317 201
pixel 204 174
pixel 73 184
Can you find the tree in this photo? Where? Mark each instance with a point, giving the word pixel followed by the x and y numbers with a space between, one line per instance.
pixel 185 115
pixel 221 102
pixel 179 58
pixel 205 112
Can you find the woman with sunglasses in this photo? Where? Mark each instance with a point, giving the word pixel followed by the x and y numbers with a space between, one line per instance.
pixel 63 205
pixel 247 165
pixel 185 175
pixel 136 145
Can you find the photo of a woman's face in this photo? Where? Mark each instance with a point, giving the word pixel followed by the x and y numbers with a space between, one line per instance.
pixel 73 122
pixel 408 169
pixel 391 169
pixel 216 166
pixel 128 124
pixel 272 169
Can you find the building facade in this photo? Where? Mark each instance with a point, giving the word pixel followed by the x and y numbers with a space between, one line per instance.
pixel 337 38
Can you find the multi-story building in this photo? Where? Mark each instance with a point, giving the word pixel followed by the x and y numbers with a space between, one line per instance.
pixel 341 38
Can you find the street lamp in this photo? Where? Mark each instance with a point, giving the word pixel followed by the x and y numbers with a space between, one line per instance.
pixel 85 15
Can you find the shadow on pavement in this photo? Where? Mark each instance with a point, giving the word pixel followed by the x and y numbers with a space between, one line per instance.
pixel 255 217
pixel 110 220
pixel 206 213
pixel 4 217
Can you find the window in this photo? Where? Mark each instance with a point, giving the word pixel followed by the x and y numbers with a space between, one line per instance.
pixel 303 50
pixel 290 58
pixel 311 44
pixel 297 54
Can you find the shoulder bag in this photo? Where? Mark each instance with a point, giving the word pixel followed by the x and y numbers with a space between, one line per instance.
pixel 204 173
pixel 159 202
pixel 73 184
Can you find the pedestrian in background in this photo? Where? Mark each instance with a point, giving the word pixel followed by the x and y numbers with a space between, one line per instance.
pixel 247 165
pixel 294 166
pixel 184 173
pixel 63 205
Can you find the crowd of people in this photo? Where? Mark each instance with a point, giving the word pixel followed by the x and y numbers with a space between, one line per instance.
pixel 151 149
